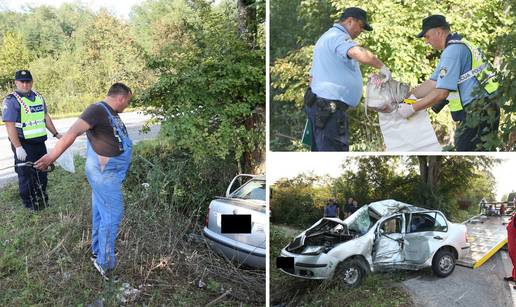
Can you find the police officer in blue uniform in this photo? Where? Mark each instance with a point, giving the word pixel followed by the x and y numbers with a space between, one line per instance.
pixel 462 79
pixel 26 119
pixel 336 80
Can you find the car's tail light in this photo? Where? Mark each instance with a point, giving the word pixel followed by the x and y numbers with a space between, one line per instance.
pixel 207 218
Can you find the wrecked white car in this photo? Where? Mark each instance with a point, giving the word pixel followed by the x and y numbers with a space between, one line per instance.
pixel 383 235
pixel 235 224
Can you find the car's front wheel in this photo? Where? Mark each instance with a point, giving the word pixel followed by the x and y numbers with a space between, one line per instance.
pixel 443 263
pixel 350 273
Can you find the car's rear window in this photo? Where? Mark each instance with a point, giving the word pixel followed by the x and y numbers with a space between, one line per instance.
pixel 253 189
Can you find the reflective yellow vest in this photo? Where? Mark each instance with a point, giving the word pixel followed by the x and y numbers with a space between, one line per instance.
pixel 481 70
pixel 32 119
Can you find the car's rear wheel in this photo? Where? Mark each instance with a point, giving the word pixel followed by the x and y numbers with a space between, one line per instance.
pixel 443 263
pixel 350 273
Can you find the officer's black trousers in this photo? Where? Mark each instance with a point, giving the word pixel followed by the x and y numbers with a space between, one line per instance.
pixel 333 135
pixel 469 138
pixel 32 183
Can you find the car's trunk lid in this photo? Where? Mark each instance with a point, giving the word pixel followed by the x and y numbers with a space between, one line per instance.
pixel 233 206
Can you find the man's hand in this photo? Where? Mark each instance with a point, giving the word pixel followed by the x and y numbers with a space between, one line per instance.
pixel 406 110
pixel 21 154
pixel 386 72
pixel 58 135
pixel 43 163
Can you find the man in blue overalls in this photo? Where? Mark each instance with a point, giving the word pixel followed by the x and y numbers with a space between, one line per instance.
pixel 26 119
pixel 108 159
pixel 462 78
pixel 336 80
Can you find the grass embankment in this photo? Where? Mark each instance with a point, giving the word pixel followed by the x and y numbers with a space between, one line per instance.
pixel 44 256
pixel 378 289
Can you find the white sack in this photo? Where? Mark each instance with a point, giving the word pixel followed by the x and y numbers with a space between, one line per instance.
pixel 384 96
pixel 413 134
pixel 66 161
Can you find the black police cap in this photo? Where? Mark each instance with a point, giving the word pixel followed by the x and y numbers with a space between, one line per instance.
pixel 23 75
pixel 357 13
pixel 432 21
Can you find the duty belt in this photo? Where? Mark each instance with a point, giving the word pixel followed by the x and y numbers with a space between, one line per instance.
pixel 331 105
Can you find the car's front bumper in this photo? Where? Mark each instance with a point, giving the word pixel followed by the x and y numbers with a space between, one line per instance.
pixel 319 266
pixel 237 251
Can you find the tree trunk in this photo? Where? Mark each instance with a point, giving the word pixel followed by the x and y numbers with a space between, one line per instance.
pixel 253 160
pixel 246 20
pixel 430 174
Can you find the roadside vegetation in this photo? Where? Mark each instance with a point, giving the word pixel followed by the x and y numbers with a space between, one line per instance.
pixel 163 258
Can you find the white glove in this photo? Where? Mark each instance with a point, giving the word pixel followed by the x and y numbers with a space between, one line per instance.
pixel 21 154
pixel 386 72
pixel 406 110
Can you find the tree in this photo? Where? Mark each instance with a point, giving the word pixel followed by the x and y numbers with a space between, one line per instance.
pixel 13 56
pixel 210 85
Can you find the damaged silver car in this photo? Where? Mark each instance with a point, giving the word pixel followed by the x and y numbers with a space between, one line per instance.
pixel 383 235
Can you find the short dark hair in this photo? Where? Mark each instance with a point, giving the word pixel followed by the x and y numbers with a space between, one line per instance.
pixel 119 89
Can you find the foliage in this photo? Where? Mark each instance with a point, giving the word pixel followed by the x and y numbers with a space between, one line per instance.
pixel 485 23
pixel 461 179
pixel 73 53
pixel 211 85
pixel 13 53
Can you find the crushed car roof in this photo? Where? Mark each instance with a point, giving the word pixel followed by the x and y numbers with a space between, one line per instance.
pixel 389 206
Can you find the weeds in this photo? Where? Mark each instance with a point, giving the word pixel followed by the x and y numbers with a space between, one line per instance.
pixel 162 257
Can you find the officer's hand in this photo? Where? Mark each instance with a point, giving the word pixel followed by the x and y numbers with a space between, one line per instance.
pixel 59 135
pixel 21 154
pixel 406 110
pixel 386 72
pixel 43 163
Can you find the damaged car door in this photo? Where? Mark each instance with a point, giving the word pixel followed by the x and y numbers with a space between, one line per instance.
pixel 389 242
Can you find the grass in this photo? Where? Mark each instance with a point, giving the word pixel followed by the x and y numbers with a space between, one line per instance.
pixel 44 256
pixel 378 289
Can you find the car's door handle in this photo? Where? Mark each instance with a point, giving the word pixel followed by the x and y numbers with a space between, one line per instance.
pixel 438 238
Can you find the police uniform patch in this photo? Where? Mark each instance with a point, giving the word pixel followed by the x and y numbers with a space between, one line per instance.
pixel 443 72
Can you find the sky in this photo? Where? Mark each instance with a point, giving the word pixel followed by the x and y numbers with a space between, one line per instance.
pixel 120 8
pixel 289 165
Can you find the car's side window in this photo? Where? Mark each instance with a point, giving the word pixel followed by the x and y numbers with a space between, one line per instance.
pixel 430 221
pixel 392 225
pixel 440 223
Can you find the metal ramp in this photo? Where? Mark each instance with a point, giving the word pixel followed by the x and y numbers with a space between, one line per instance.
pixel 486 235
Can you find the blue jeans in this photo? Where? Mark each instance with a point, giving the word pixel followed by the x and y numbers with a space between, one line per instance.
pixel 107 202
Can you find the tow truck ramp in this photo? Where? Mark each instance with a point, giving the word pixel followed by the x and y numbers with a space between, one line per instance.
pixel 486 236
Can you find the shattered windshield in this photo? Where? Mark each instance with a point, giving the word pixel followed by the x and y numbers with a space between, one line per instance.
pixel 360 221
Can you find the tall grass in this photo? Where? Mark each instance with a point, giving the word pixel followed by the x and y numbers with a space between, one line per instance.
pixel 44 256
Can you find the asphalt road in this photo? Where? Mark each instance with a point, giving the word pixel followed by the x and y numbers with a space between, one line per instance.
pixel 465 286
pixel 134 121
